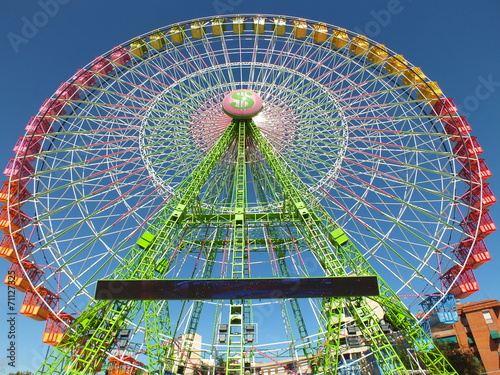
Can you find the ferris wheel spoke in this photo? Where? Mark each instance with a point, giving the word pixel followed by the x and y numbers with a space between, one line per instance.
pixel 398 166
pixel 155 93
pixel 393 249
pixel 97 235
pixel 395 220
pixel 83 179
pixel 374 189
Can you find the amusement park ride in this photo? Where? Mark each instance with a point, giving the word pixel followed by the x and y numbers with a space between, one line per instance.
pixel 227 195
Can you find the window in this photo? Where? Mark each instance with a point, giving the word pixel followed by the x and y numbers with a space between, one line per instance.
pixel 448 339
pixel 487 317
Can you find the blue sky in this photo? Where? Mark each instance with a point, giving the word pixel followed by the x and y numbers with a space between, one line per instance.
pixel 44 42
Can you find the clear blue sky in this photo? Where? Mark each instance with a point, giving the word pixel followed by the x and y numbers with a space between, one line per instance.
pixel 455 43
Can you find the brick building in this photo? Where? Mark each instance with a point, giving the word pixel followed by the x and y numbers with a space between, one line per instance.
pixel 478 330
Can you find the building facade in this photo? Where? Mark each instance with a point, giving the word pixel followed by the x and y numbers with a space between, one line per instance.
pixel 477 330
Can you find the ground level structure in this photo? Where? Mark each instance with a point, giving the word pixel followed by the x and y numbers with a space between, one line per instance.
pixel 477 330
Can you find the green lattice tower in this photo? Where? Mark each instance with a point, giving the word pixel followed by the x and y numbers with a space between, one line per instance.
pixel 84 347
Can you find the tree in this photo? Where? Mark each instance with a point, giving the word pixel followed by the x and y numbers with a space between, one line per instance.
pixel 21 373
pixel 464 362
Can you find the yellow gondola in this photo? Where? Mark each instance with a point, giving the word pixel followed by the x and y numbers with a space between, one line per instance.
pixel 279 26
pixel 259 25
pixel 218 26
pixel 157 40
pixel 238 25
pixel 299 29
pixel 177 34
pixel 429 91
pixel 377 53
pixel 413 76
pixel 138 48
pixel 359 45
pixel 197 29
pixel 340 38
pixel 320 33
pixel 396 65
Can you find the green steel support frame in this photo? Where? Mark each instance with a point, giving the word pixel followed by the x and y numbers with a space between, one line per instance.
pixel 88 341
pixel 235 361
pixel 321 231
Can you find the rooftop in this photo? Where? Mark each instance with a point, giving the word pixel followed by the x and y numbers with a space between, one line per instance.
pixel 477 305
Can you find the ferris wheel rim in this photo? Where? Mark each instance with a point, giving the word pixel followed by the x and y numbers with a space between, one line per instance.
pixel 210 18
pixel 366 192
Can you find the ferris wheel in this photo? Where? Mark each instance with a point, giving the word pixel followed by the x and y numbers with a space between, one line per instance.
pixel 253 148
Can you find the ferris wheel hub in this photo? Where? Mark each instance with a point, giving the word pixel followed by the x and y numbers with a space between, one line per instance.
pixel 242 104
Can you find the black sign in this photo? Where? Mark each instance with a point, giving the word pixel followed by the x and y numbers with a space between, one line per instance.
pixel 249 288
